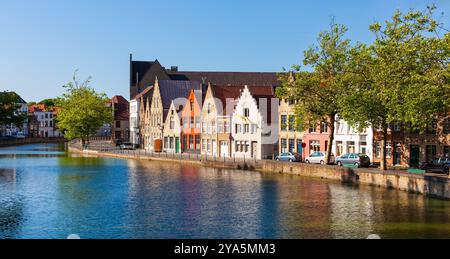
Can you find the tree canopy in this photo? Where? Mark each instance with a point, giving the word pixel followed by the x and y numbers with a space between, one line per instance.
pixel 9 109
pixel 83 110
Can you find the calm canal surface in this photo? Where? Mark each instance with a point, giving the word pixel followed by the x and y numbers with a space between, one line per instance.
pixel 45 193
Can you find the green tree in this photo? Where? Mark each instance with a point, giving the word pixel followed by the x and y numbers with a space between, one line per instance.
pixel 317 92
pixel 9 109
pixel 83 110
pixel 49 102
pixel 401 77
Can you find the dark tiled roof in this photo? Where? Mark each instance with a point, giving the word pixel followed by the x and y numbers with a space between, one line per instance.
pixel 140 67
pixel 172 89
pixel 228 78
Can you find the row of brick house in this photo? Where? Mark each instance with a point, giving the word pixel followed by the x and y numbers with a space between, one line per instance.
pixel 236 114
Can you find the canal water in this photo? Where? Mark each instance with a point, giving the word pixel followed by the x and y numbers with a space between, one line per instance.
pixel 45 193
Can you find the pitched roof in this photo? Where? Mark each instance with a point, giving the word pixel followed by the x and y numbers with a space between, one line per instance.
pixel 171 90
pixel 20 99
pixel 121 108
pixel 223 93
pixel 228 78
pixel 139 67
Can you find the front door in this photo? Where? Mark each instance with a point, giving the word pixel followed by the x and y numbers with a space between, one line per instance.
pixel 223 148
pixel 398 154
pixel 414 155
pixel 177 145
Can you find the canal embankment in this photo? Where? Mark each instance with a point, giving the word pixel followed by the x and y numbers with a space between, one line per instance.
pixel 430 185
pixel 27 141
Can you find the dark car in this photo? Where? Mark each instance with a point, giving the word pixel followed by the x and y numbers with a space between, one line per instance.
pixel 440 165
pixel 358 160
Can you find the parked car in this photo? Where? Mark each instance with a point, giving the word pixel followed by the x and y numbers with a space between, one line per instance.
pixel 287 156
pixel 318 158
pixel 440 165
pixel 358 160
pixel 126 146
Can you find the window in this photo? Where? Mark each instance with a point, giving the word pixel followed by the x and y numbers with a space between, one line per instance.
pixel 430 153
pixel 172 123
pixel 166 145
pixel 351 148
pixel 246 128
pixel 191 142
pixel 204 145
pixel 323 127
pixel 213 127
pixel 227 127
pixel 283 122
pixel 247 146
pixel 291 123
pixel 313 128
pixel 388 149
pixel 397 126
pixel 283 145
pixel 238 128
pixel 363 147
pixel 209 146
pixel 205 127
pixel 209 108
pixel 185 122
pixel 192 105
pixel 46 115
pixel 192 123
pixel 339 148
pixel 220 127
pixel 447 126
pixel 171 143
pixel 378 149
pixel 314 145
pixel 197 122
pixel 447 152
pixel 238 146
pixel 197 142
pixel 246 112
pixel 431 129
pixel 51 123
pixel 291 145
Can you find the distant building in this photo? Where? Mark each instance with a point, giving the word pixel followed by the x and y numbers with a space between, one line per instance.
pixel 43 123
pixel 120 128
pixel 12 130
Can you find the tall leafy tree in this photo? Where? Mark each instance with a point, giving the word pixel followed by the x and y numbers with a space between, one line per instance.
pixel 317 92
pixel 9 109
pixel 83 110
pixel 401 77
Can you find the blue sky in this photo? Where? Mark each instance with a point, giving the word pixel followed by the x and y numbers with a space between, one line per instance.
pixel 42 42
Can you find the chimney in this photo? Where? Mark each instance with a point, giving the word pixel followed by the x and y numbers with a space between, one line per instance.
pixel 174 68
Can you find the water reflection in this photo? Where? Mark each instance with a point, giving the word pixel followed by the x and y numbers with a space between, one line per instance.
pixel 51 197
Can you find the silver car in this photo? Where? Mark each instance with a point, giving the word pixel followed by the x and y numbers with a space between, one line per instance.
pixel 318 158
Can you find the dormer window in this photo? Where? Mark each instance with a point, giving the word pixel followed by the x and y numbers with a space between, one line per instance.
pixel 209 108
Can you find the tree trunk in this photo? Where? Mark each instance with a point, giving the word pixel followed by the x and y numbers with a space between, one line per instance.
pixel 331 119
pixel 383 163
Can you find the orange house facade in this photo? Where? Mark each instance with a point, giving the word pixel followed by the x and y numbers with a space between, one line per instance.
pixel 191 123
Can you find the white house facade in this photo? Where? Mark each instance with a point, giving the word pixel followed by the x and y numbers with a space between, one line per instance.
pixel 172 131
pixel 134 122
pixel 248 137
pixel 349 140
